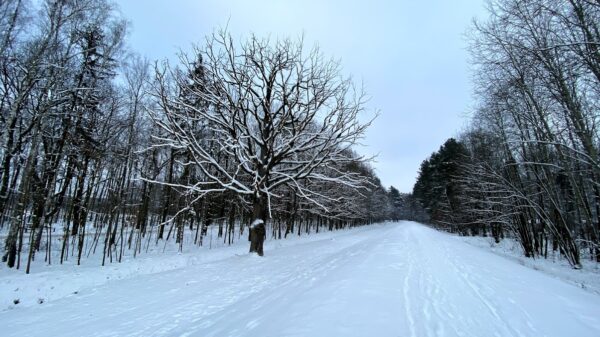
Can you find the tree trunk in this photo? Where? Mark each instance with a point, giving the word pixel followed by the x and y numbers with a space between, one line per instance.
pixel 257 232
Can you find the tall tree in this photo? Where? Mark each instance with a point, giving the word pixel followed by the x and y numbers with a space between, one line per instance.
pixel 279 115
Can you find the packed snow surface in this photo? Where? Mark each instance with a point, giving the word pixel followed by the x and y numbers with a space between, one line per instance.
pixel 401 279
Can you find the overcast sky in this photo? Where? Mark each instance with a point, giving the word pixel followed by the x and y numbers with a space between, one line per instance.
pixel 410 54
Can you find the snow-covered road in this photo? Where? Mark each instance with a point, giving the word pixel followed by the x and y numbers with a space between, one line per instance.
pixel 388 280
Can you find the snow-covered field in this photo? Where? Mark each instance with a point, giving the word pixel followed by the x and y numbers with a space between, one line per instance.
pixel 401 279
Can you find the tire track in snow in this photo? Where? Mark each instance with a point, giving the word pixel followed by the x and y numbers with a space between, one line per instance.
pixel 462 273
pixel 396 280
pixel 406 292
pixel 323 269
pixel 484 287
pixel 289 284
pixel 433 296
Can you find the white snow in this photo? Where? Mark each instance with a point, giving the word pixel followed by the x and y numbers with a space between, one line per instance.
pixel 587 278
pixel 256 222
pixel 400 279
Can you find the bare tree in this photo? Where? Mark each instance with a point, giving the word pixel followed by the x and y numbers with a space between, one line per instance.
pixel 279 116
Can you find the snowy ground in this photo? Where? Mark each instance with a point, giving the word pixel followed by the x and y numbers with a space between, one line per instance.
pixel 587 278
pixel 387 280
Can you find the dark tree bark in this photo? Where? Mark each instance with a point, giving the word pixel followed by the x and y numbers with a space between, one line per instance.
pixel 257 233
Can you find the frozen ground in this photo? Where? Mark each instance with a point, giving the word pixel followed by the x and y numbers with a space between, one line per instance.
pixel 387 280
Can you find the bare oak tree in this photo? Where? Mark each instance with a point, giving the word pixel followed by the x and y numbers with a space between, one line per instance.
pixel 278 116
